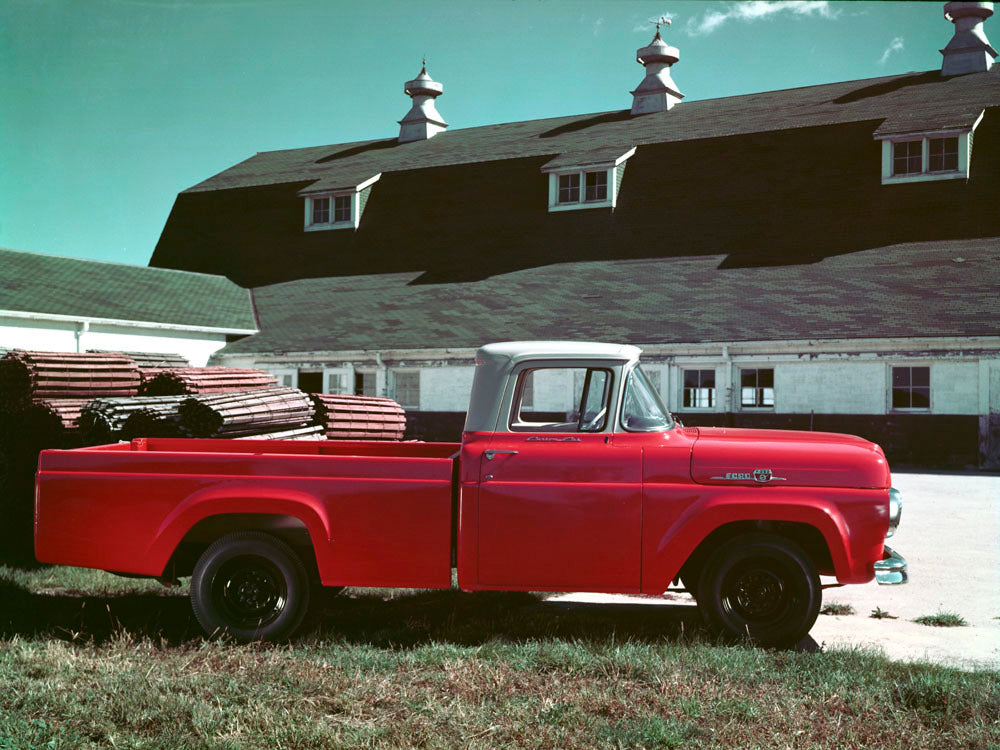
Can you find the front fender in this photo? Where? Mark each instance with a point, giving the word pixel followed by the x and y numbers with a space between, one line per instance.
pixel 241 499
pixel 668 551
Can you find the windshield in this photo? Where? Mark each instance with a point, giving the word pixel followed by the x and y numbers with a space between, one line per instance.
pixel 643 411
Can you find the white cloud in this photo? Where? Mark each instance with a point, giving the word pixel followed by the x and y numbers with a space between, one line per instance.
pixel 754 10
pixel 896 45
pixel 597 26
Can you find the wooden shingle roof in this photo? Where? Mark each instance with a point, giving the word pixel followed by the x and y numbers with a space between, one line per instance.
pixel 907 290
pixel 50 284
pixel 903 103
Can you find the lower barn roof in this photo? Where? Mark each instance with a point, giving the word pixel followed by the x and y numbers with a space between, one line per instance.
pixel 914 289
pixel 54 285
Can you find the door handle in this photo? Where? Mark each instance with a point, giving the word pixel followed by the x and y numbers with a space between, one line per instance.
pixel 488 455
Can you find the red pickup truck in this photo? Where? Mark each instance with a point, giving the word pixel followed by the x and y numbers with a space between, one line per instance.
pixel 609 494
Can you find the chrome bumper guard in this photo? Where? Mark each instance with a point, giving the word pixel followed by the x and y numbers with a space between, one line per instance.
pixel 891 569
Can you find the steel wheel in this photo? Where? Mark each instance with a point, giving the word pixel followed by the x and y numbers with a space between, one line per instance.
pixel 250 586
pixel 760 586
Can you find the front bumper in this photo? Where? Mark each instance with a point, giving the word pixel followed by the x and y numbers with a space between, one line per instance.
pixel 891 569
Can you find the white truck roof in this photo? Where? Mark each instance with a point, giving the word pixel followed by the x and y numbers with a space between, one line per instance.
pixel 494 363
pixel 515 351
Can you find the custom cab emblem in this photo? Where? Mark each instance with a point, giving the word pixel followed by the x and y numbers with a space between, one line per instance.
pixel 552 439
pixel 761 476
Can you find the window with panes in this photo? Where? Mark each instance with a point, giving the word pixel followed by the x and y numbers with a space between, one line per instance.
pixel 757 387
pixel 342 208
pixel 942 154
pixel 408 389
pixel 911 387
pixel 569 188
pixel 907 157
pixel 321 211
pixel 699 389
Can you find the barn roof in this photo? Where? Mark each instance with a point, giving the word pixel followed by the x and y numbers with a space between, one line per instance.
pixel 919 289
pixel 903 103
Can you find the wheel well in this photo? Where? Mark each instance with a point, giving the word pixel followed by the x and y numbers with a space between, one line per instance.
pixel 808 537
pixel 289 529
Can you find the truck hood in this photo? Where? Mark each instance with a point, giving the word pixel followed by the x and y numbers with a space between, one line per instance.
pixel 728 456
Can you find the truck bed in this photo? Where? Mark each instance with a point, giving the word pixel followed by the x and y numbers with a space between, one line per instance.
pixel 377 513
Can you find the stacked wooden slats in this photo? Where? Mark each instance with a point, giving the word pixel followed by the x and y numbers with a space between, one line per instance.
pixel 27 375
pixel 103 420
pixel 144 360
pixel 246 413
pixel 68 410
pixel 204 380
pixel 359 417
pixel 312 432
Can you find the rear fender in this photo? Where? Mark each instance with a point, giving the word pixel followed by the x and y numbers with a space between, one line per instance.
pixel 705 516
pixel 230 500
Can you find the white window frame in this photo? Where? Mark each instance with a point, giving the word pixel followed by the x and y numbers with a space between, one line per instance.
pixel 738 387
pixel 343 375
pixel 354 194
pixel 715 388
pixel 609 168
pixel 282 373
pixel 890 409
pixel 925 175
pixel 395 388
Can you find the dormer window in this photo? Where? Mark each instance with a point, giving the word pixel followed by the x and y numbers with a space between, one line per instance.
pixel 339 209
pixel 920 157
pixel 576 182
pixel 330 212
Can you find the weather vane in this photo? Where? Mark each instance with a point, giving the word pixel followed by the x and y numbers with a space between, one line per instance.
pixel 662 20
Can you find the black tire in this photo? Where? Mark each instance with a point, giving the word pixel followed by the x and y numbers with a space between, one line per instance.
pixel 762 587
pixel 250 586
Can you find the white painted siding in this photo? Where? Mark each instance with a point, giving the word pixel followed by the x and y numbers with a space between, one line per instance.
pixel 446 388
pixel 830 388
pixel 955 387
pixel 58 336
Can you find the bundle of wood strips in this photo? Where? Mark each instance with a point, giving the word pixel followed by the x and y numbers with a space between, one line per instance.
pixel 200 380
pixel 103 420
pixel 145 360
pixel 67 410
pixel 312 432
pixel 246 413
pixel 27 375
pixel 359 417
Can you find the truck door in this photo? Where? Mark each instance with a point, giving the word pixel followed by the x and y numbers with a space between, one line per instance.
pixel 560 506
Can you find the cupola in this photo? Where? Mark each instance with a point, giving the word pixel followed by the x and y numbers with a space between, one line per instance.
pixel 969 51
pixel 657 92
pixel 423 120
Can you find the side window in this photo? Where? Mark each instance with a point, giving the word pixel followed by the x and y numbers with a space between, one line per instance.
pixel 911 387
pixel 562 399
pixel 757 388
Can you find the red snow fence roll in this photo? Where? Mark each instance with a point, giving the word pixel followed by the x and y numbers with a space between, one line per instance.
pixel 68 410
pixel 27 375
pixel 196 381
pixel 359 417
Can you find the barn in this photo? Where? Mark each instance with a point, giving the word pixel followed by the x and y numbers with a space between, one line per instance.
pixel 817 258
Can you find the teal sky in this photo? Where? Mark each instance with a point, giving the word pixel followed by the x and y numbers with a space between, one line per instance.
pixel 109 108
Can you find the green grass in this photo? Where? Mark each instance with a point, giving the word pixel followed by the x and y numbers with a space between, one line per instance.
pixel 88 660
pixel 942 619
pixel 880 614
pixel 837 608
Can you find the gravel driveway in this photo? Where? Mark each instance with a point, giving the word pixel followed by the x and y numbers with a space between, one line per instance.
pixel 950 537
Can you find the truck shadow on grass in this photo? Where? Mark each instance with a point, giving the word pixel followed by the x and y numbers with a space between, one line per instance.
pixel 403 621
